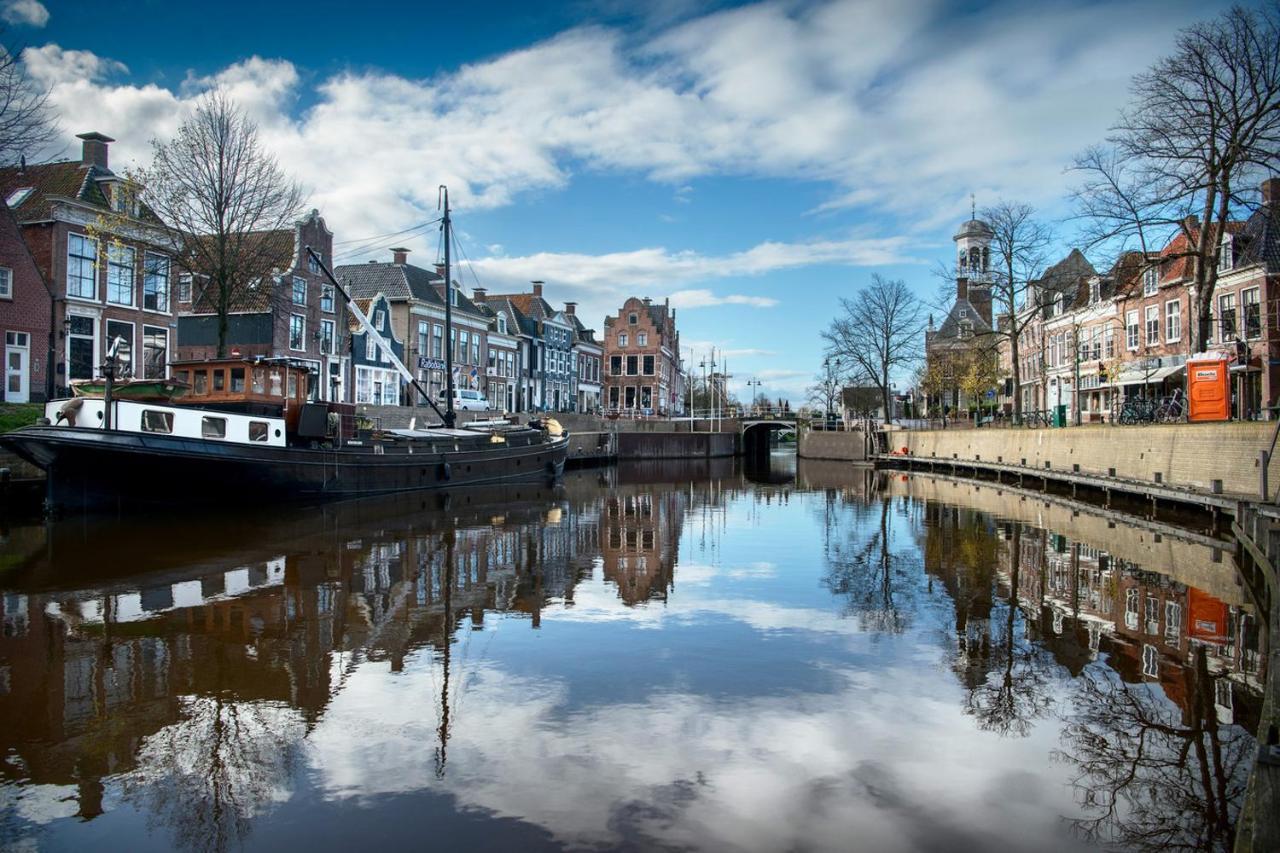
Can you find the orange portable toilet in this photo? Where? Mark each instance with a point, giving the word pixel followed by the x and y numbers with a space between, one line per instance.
pixel 1209 387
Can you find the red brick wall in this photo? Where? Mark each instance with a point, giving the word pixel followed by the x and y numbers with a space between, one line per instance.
pixel 663 365
pixel 27 309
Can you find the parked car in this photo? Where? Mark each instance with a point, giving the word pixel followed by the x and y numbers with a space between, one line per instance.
pixel 465 400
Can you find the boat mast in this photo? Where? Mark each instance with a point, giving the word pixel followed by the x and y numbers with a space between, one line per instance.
pixel 369 329
pixel 449 415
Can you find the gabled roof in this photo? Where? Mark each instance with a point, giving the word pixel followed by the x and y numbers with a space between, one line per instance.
pixel 398 282
pixel 1068 277
pixel 71 179
pixel 518 321
pixel 950 327
pixel 1260 237
pixel 580 331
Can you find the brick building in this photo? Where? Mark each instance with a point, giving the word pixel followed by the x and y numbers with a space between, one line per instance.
pixel 416 296
pixel 1128 333
pixel 108 261
pixel 297 315
pixel 26 310
pixel 549 377
pixel 642 356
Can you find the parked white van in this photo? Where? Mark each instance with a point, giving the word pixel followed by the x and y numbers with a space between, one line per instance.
pixel 465 400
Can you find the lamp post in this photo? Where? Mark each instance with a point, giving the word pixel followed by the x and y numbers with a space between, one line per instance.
pixel 755 395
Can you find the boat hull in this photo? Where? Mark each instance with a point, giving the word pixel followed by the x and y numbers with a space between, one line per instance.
pixel 108 469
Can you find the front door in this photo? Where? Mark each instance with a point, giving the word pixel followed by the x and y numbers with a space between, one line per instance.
pixel 17 367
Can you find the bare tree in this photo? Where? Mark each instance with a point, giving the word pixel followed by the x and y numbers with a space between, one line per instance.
pixel 827 382
pixel 878 334
pixel 1019 245
pixel 26 121
pixel 1203 124
pixel 223 195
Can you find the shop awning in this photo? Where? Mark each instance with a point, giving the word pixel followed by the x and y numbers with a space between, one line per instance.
pixel 1145 377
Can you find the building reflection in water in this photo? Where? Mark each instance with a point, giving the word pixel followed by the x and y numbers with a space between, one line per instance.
pixel 1162 677
pixel 188 678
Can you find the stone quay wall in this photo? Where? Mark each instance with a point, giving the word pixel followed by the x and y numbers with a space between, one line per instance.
pixel 1207 457
pixel 840 446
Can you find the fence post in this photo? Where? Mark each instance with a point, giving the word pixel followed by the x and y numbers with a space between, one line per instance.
pixel 1264 459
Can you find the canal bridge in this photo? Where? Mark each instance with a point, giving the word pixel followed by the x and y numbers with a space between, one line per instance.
pixel 756 430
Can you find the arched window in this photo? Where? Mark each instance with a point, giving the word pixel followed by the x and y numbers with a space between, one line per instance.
pixel 986 259
pixel 974 259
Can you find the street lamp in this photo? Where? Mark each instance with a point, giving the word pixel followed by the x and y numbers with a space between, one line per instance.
pixel 755 395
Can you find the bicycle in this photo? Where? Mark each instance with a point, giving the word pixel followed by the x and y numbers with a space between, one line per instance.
pixel 1172 409
pixel 1137 410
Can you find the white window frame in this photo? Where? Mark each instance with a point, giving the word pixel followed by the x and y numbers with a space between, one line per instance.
pixel 132 340
pixel 1173 321
pixel 302 324
pixel 1226 262
pixel 299 289
pixel 114 265
pixel 328 337
pixel 1227 301
pixel 1152 319
pixel 1151 280
pixel 168 351
pixel 1132 331
pixel 327 298
pixel 6 283
pixel 92 259
pixel 150 274
pixel 1246 295
pixel 622 339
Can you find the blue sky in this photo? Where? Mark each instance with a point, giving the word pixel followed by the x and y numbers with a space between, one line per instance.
pixel 752 162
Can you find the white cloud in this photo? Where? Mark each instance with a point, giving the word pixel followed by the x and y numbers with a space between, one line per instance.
pixel 705 298
pixel 31 13
pixel 929 106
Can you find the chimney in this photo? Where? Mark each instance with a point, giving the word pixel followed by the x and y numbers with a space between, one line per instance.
pixel 1271 192
pixel 93 151
pixel 570 307
pixel 648 301
pixel 399 256
pixel 537 288
pixel 440 270
pixel 478 294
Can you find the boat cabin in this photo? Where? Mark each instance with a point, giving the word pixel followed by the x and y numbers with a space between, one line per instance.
pixel 277 382
pixel 161 419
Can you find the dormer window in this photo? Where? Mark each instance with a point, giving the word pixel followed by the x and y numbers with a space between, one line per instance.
pixel 502 324
pixel 1095 291
pixel 1057 304
pixel 1150 281
pixel 1226 259
pixel 964 312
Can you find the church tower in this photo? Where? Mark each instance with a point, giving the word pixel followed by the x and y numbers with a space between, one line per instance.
pixel 973 264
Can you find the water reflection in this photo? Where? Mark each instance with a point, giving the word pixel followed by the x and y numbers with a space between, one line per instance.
pixel 657 655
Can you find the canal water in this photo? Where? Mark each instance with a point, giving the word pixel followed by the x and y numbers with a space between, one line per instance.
pixel 675 656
